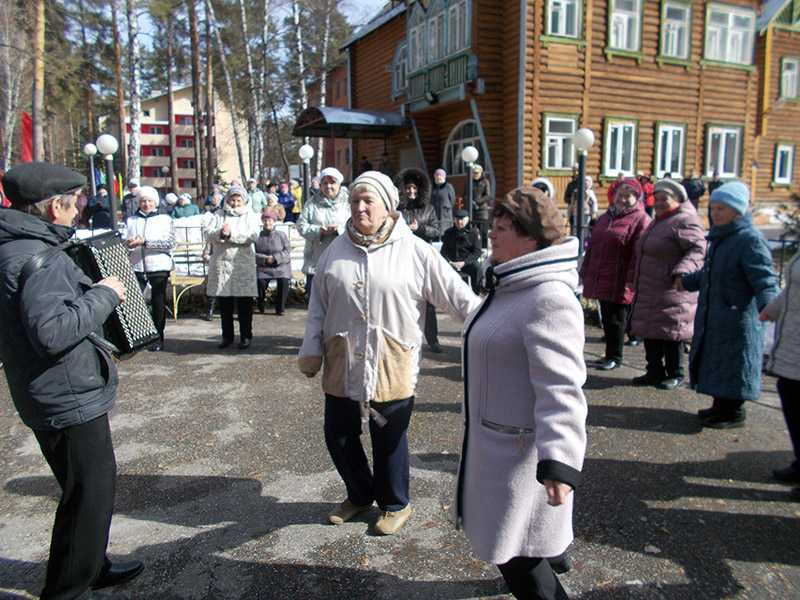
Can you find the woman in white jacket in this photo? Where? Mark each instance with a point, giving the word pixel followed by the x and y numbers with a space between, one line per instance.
pixel 232 266
pixel 365 330
pixel 151 239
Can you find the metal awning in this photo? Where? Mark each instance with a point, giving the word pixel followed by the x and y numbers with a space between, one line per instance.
pixel 335 122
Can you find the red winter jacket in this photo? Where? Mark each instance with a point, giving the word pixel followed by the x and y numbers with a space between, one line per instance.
pixel 608 266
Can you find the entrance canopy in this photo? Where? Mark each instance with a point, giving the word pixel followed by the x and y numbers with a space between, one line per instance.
pixel 335 122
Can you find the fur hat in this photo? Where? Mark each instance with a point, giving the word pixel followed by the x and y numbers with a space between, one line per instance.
pixel 148 192
pixel 536 213
pixel 380 184
pixel 671 187
pixel 734 194
pixel 171 199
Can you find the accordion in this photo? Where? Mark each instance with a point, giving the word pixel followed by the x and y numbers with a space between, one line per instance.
pixel 130 327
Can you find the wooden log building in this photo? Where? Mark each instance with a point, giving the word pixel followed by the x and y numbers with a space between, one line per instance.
pixel 667 86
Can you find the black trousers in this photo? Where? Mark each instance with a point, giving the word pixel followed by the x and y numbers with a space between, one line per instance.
pixel 431 325
pixel 789 391
pixel 615 319
pixel 82 460
pixel 244 310
pixel 472 271
pixel 531 578
pixel 309 282
pixel 729 407
pixel 280 298
pixel 388 482
pixel 664 358
pixel 483 227
pixel 158 298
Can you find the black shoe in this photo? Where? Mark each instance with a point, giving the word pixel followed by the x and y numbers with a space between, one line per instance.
pixel 117 574
pixel 224 344
pixel 279 313
pixel 607 364
pixel 435 348
pixel 632 342
pixel 724 421
pixel 561 564
pixel 794 494
pixel 705 413
pixel 670 383
pixel 261 307
pixel 787 475
pixel 646 379
pixel 156 347
pixel 244 344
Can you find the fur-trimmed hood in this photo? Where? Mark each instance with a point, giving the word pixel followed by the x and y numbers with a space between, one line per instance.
pixel 421 180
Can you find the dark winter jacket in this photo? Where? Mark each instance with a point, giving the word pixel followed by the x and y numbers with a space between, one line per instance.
pixel 443 199
pixel 608 267
pixel 735 283
pixel 56 376
pixel 695 188
pixel 275 244
pixel 481 200
pixel 462 244
pixel 420 209
pixel 673 245
pixel 287 202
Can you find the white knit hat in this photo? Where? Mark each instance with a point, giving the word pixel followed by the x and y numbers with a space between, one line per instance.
pixel 382 185
pixel 331 172
pixel 171 199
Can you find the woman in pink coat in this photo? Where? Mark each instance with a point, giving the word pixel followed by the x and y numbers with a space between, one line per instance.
pixel 608 266
pixel 671 247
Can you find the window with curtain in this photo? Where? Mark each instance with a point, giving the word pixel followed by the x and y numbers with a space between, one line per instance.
pixel 724 150
pixel 730 32
pixel 620 148
pixel 676 30
pixel 669 151
pixel 784 163
pixel 789 68
pixel 559 151
pixel 625 25
pixel 564 18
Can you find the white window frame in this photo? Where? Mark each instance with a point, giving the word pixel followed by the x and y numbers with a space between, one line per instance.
pixel 670 30
pixel 456 143
pixel 729 43
pixel 668 130
pixel 557 142
pixel 778 177
pixel 717 163
pixel 790 79
pixel 458 28
pixel 400 69
pixel 560 9
pixel 627 24
pixel 613 165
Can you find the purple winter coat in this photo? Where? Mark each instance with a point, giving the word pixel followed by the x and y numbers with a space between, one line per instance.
pixel 608 266
pixel 673 245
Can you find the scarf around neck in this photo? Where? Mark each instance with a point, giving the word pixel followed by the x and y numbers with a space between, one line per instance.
pixel 380 236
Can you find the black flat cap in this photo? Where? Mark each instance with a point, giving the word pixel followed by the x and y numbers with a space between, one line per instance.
pixel 460 214
pixel 32 182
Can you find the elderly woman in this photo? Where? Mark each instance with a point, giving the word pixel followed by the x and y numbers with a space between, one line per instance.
pixel 273 261
pixel 608 266
pixel 784 361
pixel 276 207
pixel 323 218
pixel 736 282
pixel 151 238
pixel 232 265
pixel 525 413
pixel 185 208
pixel 364 329
pixel 672 246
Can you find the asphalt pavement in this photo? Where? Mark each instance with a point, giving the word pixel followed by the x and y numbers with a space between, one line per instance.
pixel 225 483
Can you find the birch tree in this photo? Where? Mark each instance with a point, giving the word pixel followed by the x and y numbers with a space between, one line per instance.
pixel 38 80
pixel 255 92
pixel 194 37
pixel 134 83
pixel 13 59
pixel 323 84
pixel 228 84
pixel 120 93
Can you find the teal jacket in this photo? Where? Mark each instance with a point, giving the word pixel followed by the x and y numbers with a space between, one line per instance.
pixel 737 281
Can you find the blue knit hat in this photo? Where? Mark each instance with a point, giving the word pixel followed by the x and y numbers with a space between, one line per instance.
pixel 734 194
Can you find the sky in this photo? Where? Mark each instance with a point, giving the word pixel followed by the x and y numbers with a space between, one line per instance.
pixel 359 12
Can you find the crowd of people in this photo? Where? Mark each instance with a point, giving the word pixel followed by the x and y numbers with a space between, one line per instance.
pixel 374 280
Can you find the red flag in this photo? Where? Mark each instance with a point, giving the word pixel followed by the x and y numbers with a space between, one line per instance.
pixel 27 137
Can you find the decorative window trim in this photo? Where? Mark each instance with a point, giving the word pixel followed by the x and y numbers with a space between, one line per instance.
pixel 575 117
pixel 436 9
pixel 546 40
pixel 731 8
pixel 657 146
pixel 796 61
pixel 709 172
pixel 668 58
pixel 451 139
pixel 611 51
pixel 397 89
pixel 783 182
pixel 608 122
pixel 563 36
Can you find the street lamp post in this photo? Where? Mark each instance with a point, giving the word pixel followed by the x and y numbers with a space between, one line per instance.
pixel 306 152
pixel 583 140
pixel 469 155
pixel 107 145
pixel 164 173
pixel 90 150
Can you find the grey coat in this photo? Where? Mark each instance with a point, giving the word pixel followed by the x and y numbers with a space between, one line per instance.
pixel 56 376
pixel 784 360
pixel 275 244
pixel 232 268
pixel 525 412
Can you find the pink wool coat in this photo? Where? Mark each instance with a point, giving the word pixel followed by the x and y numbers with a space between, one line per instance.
pixel 608 266
pixel 671 246
pixel 525 413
